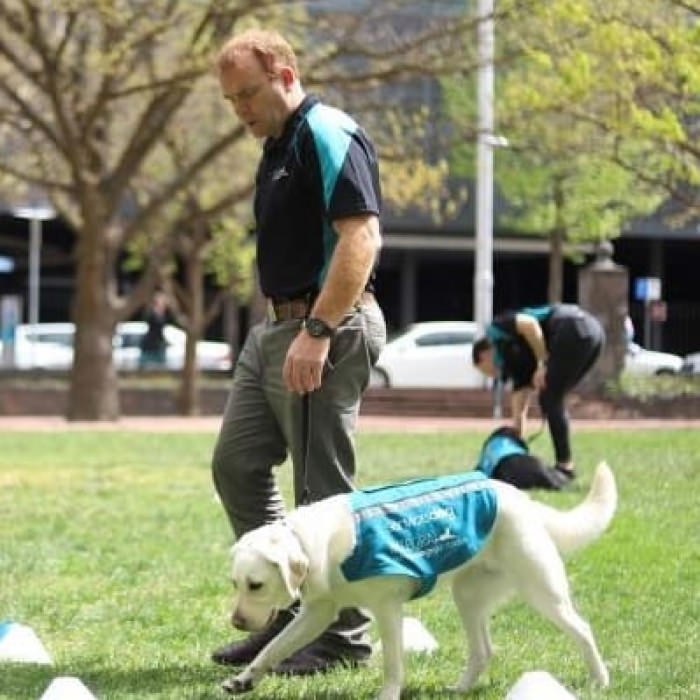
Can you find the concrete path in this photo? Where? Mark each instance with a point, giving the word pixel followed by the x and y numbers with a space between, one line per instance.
pixel 409 424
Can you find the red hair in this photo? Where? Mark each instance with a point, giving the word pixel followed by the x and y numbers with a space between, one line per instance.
pixel 271 49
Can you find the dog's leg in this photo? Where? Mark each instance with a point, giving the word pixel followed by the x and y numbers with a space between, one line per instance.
pixel 390 624
pixel 560 610
pixel 311 621
pixel 476 592
pixel 542 582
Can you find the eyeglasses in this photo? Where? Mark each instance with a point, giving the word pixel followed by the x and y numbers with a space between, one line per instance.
pixel 246 94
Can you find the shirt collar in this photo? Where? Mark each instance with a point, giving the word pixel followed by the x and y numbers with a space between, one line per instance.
pixel 292 123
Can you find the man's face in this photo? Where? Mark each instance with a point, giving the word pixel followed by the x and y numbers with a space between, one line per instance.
pixel 257 97
pixel 485 364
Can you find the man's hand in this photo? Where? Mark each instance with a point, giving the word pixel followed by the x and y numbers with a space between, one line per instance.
pixel 303 366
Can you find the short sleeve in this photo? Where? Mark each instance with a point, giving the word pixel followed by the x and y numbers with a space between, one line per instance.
pixel 347 161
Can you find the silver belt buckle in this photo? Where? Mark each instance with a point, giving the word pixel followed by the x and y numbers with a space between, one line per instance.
pixel 271 315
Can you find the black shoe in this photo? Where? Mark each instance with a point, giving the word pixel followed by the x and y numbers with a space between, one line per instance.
pixel 564 477
pixel 323 654
pixel 552 479
pixel 568 474
pixel 243 651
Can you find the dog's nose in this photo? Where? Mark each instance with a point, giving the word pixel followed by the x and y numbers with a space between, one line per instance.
pixel 238 621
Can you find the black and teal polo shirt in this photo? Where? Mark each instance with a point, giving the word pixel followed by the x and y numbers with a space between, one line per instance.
pixel 322 168
pixel 420 528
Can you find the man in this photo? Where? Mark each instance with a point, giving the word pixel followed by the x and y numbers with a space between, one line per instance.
pixel 301 373
pixel 547 349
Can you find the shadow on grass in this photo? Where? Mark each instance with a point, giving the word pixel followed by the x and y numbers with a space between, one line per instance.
pixel 28 682
pixel 24 681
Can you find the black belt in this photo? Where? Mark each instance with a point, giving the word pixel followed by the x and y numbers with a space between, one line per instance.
pixel 289 309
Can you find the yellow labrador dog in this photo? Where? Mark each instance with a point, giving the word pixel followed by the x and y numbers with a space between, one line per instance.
pixel 378 548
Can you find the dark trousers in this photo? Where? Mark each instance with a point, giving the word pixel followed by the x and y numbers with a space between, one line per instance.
pixel 264 423
pixel 575 342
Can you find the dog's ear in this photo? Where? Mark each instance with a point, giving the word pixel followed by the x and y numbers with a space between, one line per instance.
pixel 294 569
pixel 293 564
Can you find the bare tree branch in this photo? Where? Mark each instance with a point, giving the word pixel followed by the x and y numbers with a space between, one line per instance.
pixel 179 183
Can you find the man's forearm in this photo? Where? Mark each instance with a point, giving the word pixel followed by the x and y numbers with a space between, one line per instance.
pixel 350 267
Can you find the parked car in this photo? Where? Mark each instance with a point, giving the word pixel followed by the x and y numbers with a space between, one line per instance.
pixel 50 346
pixel 639 360
pixel 211 355
pixel 691 364
pixel 433 354
pixel 44 345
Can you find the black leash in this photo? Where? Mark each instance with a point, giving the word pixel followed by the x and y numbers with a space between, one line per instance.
pixel 305 428
pixel 536 434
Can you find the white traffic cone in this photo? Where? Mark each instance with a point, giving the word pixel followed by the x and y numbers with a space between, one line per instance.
pixel 416 638
pixel 67 688
pixel 19 643
pixel 538 685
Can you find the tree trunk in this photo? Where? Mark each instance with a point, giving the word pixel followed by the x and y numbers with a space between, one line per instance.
pixel 188 398
pixel 94 390
pixel 231 322
pixel 556 249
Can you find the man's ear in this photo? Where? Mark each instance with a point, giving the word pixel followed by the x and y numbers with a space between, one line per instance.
pixel 287 76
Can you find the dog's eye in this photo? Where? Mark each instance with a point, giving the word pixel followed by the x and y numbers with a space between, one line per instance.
pixel 254 586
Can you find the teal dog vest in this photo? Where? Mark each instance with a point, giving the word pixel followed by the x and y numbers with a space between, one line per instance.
pixel 497 448
pixel 420 528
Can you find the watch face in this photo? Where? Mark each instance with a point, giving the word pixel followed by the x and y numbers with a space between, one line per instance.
pixel 317 328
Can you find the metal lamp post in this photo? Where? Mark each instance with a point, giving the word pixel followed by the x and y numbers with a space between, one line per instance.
pixel 35 214
pixel 486 142
pixel 483 257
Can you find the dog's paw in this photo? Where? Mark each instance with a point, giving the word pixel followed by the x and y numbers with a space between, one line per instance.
pixel 390 693
pixel 237 685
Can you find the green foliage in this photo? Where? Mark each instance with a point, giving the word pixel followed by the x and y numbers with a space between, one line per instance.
pixel 654 387
pixel 621 77
pixel 114 549
pixel 230 257
pixel 560 170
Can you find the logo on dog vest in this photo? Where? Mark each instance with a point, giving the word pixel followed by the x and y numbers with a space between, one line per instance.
pixel 420 528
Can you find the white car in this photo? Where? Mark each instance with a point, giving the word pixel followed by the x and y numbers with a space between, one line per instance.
pixel 42 346
pixel 691 364
pixel 433 354
pixel 50 346
pixel 639 360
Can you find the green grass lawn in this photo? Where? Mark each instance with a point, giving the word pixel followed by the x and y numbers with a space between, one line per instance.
pixel 114 549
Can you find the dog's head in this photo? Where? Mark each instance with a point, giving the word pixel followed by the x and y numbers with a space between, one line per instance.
pixel 268 569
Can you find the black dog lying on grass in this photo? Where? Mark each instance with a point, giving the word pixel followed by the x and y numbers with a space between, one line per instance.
pixel 506 456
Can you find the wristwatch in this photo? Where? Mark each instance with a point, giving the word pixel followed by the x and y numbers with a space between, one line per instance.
pixel 317 328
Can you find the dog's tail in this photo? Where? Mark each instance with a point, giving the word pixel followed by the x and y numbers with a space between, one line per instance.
pixel 586 522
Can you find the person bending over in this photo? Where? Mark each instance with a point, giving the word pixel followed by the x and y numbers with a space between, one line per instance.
pixel 544 349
